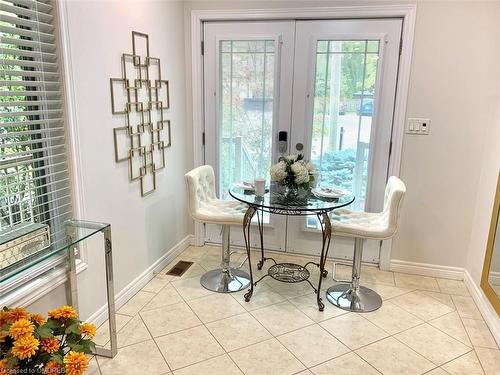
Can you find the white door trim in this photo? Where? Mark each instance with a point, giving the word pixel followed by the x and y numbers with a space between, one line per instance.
pixel 405 11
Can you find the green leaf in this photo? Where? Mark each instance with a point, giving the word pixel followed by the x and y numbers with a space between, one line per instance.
pixel 11 362
pixel 73 328
pixel 76 347
pixel 52 324
pixel 43 332
pixel 57 357
pixel 88 346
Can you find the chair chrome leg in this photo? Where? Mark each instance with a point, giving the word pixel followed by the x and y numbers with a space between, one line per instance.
pixel 225 279
pixel 352 296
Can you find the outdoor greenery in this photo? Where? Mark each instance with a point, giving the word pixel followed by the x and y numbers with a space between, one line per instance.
pixel 246 107
pixel 17 183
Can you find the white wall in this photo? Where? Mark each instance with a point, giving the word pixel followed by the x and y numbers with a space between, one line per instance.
pixel 143 228
pixel 455 66
pixel 454 62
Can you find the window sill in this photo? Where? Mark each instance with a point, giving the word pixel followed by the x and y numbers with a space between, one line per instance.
pixel 24 290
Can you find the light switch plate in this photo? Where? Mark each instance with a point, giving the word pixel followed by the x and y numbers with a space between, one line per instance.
pixel 418 126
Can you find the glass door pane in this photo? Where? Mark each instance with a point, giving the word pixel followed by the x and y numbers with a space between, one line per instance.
pixel 344 95
pixel 342 112
pixel 246 110
pixel 247 100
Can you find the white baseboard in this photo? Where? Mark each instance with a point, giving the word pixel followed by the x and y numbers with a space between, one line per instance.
pixel 140 281
pixel 425 269
pixel 489 314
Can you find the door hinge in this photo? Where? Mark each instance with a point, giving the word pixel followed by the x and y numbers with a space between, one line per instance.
pixel 400 46
pixel 202 48
pixel 203 138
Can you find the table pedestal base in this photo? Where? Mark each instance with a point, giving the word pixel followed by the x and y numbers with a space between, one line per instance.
pixel 361 299
pixel 225 280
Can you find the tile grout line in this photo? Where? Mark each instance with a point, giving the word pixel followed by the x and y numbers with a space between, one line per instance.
pixel 454 359
pixel 287 299
pixel 217 341
pixel 428 358
pixel 156 344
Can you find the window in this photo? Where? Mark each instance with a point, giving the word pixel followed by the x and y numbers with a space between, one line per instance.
pixel 34 181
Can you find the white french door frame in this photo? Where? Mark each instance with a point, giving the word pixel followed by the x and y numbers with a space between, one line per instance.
pixel 405 11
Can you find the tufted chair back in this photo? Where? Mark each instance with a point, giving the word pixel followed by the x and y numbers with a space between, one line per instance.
pixel 393 198
pixel 201 187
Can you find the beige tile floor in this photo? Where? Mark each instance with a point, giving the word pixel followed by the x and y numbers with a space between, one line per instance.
pixel 174 326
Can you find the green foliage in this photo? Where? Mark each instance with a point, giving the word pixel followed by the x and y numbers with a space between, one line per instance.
pixel 68 333
pixel 17 184
pixel 338 169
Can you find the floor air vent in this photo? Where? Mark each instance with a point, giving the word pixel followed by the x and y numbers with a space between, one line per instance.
pixel 179 269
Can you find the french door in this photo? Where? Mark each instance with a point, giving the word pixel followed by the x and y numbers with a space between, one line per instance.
pixel 330 85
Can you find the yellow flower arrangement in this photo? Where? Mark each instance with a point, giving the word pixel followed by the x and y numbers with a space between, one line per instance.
pixel 75 363
pixel 3 318
pixel 87 329
pixel 52 367
pixel 16 314
pixel 63 312
pixel 3 367
pixel 20 328
pixel 29 343
pixel 25 347
pixel 37 319
pixel 49 345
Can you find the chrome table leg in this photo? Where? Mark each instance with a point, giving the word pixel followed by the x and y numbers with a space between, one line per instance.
pixel 110 289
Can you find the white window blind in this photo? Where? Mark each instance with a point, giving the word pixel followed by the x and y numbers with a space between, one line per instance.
pixel 34 181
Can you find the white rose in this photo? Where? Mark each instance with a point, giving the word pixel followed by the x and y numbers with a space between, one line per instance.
pixel 291 157
pixel 278 171
pixel 310 167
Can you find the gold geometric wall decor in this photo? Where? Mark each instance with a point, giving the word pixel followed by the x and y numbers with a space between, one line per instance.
pixel 142 96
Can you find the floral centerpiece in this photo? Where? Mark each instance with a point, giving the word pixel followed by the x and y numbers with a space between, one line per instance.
pixel 31 344
pixel 293 172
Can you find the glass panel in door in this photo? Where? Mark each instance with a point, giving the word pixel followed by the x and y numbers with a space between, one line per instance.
pixel 343 104
pixel 344 97
pixel 246 110
pixel 248 94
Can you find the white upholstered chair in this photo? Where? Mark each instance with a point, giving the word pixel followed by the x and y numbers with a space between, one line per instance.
pixel 205 207
pixel 349 295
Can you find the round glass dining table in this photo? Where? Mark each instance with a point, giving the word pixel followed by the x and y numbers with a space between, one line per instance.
pixel 280 201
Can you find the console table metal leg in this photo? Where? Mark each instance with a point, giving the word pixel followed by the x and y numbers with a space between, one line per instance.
pixel 247 221
pixel 73 288
pixel 108 248
pixel 326 231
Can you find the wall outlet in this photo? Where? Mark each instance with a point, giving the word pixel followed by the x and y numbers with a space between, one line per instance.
pixel 418 126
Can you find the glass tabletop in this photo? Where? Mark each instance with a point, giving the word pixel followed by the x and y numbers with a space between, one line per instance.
pixel 279 200
pixel 27 245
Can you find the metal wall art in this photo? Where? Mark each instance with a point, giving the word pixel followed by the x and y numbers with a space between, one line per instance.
pixel 142 96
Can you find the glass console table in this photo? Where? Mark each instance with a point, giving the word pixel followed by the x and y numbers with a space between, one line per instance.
pixel 279 201
pixel 63 240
